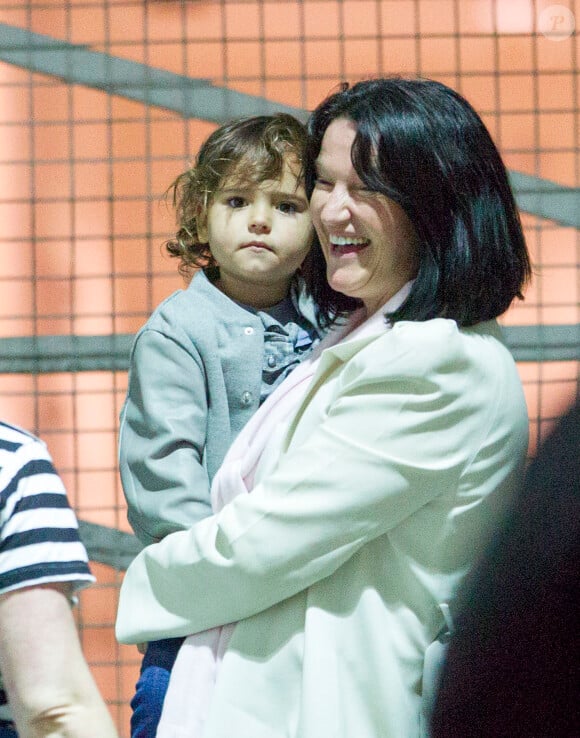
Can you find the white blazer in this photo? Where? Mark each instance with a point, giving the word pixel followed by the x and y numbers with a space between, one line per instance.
pixel 378 499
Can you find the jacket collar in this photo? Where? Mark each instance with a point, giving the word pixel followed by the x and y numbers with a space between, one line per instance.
pixel 358 332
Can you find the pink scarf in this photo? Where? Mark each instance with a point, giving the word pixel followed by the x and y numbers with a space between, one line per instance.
pixel 194 674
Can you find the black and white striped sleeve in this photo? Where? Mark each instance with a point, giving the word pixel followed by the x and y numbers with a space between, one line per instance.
pixel 39 538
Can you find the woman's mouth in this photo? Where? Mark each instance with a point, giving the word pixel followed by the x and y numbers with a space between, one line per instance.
pixel 340 245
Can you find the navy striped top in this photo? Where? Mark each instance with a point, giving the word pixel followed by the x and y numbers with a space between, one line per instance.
pixel 39 538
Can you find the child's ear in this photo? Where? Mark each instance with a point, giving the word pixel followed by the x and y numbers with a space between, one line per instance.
pixel 201 225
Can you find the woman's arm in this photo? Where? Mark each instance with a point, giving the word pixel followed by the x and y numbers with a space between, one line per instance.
pixel 50 689
pixel 404 420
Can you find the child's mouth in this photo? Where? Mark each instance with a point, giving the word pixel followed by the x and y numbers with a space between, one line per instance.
pixel 257 246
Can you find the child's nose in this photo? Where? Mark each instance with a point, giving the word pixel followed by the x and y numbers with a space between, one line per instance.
pixel 260 219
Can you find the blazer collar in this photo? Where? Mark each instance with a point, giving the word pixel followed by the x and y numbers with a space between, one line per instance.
pixel 360 331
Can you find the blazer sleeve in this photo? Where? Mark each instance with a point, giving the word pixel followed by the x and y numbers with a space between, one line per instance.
pixel 406 416
pixel 162 438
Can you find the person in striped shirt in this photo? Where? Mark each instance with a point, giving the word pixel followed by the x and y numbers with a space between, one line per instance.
pixel 46 680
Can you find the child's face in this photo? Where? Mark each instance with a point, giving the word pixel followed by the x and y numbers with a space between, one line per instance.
pixel 259 234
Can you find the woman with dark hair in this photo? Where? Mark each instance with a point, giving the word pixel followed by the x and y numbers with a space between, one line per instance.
pixel 422 146
pixel 380 467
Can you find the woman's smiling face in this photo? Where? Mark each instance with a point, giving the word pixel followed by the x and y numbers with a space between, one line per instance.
pixel 367 239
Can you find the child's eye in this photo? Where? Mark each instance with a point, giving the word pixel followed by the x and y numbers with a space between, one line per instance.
pixel 289 208
pixel 236 202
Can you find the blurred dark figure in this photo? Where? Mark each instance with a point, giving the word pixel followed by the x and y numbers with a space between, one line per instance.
pixel 512 666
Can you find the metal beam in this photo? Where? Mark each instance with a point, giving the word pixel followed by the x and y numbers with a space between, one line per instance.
pixel 543 342
pixel 193 97
pixel 547 199
pixel 44 354
pixel 108 545
pixel 190 97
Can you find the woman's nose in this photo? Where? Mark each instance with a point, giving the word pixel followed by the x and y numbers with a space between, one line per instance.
pixel 260 218
pixel 336 208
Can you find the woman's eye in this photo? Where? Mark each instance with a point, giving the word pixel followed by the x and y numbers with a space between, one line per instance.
pixel 322 184
pixel 289 208
pixel 235 202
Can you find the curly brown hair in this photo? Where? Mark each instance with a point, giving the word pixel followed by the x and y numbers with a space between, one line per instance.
pixel 249 150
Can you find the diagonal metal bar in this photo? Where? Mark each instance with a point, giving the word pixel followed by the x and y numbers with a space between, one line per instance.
pixel 109 546
pixel 547 199
pixel 188 96
pixel 199 98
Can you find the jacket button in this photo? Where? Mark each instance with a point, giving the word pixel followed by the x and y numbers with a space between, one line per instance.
pixel 271 361
pixel 248 330
pixel 246 398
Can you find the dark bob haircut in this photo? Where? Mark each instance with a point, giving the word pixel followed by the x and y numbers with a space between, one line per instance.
pixel 422 145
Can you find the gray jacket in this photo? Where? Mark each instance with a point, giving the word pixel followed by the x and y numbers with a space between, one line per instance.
pixel 194 382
